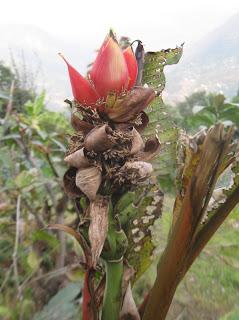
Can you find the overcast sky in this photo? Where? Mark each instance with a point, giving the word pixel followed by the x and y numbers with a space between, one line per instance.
pixel 169 22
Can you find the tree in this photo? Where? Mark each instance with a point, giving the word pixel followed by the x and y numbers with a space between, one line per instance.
pixel 21 92
pixel 202 109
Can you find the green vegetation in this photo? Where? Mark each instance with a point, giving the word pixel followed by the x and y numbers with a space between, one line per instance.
pixel 32 259
pixel 202 109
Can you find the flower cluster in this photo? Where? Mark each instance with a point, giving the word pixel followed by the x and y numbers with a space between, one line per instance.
pixel 108 116
pixel 107 155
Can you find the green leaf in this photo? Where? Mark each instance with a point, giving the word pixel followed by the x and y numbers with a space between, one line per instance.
pixel 148 202
pixel 203 117
pixel 26 178
pixel 38 105
pixel 160 123
pixel 33 260
pixel 154 64
pixel 232 315
pixel 163 127
pixel 5 312
pixel 42 235
pixel 62 306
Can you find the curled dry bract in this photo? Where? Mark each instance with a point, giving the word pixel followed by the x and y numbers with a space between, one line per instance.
pixel 99 139
pixel 80 125
pixel 141 168
pixel 69 184
pixel 77 159
pixel 129 308
pixel 137 142
pixel 128 107
pixel 88 181
pixel 142 121
pixel 151 149
pixel 98 226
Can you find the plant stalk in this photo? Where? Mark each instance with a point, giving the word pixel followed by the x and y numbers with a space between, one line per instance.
pixel 113 295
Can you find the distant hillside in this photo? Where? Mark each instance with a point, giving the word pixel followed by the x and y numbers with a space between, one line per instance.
pixel 38 50
pixel 211 63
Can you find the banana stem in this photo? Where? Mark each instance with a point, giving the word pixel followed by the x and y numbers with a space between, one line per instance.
pixel 113 295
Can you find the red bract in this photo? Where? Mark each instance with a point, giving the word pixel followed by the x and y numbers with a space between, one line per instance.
pixel 132 66
pixel 82 90
pixel 114 71
pixel 109 72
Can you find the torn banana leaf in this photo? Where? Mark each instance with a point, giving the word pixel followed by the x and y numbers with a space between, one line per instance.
pixel 226 192
pixel 160 122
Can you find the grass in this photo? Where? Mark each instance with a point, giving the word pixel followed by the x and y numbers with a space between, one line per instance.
pixel 210 289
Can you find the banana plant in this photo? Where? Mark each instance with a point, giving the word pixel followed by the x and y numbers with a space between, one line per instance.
pixel 123 145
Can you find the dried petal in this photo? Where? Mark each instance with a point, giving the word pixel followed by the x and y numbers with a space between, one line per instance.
pixel 80 125
pixel 82 90
pixel 132 66
pixel 99 139
pixel 88 180
pixel 98 226
pixel 136 171
pixel 131 105
pixel 129 309
pixel 142 122
pixel 137 142
pixel 77 159
pixel 70 185
pixel 109 71
pixel 151 149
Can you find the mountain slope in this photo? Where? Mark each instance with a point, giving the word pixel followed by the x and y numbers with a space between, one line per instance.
pixel 212 64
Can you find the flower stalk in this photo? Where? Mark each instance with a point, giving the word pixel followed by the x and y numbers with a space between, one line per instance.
pixel 113 290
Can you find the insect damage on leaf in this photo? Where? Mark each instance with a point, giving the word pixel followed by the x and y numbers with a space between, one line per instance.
pixel 154 63
pixel 221 195
pixel 140 249
pixel 159 119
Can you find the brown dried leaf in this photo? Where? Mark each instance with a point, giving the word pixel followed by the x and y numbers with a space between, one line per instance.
pixel 77 159
pixel 128 107
pixel 214 148
pixel 88 180
pixel 99 139
pixel 202 157
pixel 80 239
pixel 98 226
pixel 69 183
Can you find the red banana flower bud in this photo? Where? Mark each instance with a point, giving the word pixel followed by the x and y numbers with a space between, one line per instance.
pixel 114 71
pixel 109 72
